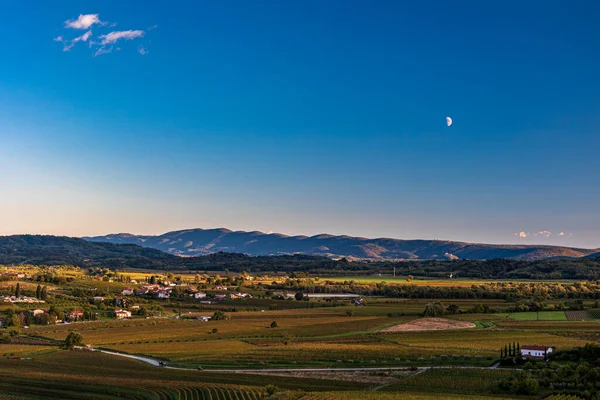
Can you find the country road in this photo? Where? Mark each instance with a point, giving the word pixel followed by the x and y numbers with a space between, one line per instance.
pixel 269 370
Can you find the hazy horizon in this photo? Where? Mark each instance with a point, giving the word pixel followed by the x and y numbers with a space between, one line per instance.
pixel 299 119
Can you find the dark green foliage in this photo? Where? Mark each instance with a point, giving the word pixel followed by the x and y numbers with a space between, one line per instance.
pixel 434 310
pixel 220 315
pixel 520 383
pixel 73 339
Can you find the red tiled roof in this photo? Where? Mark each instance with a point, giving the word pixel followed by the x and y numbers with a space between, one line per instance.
pixel 539 348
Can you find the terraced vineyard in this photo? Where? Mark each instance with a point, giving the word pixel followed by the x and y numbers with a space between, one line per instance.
pixel 393 396
pixel 207 393
pixel 577 315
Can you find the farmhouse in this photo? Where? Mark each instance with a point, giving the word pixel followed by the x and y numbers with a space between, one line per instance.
pixel 75 315
pixel 127 292
pixel 37 311
pixel 535 351
pixel 200 295
pixel 121 314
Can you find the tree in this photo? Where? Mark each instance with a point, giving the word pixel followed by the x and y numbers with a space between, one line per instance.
pixel 274 324
pixel 73 339
pixel 153 280
pixel 434 309
pixel 18 290
pixel 299 296
pixel 350 313
pixel 44 294
pixel 271 390
pixel 220 315
pixel 38 292
pixel 452 309
pixel 410 278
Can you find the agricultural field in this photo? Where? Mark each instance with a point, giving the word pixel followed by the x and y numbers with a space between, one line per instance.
pixel 263 340
pixel 539 316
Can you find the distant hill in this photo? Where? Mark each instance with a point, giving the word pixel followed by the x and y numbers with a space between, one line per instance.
pixel 53 250
pixel 196 242
pixel 57 250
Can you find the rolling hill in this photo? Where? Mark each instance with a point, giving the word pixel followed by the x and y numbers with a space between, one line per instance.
pixel 196 242
pixel 54 250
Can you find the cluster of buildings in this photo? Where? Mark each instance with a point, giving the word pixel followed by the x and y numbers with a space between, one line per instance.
pixel 21 299
pixel 165 291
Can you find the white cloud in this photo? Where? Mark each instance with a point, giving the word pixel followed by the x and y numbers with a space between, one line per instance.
pixel 84 21
pixel 68 44
pixel 521 234
pixel 561 234
pixel 546 234
pixel 113 37
pixel 103 50
pixel 100 44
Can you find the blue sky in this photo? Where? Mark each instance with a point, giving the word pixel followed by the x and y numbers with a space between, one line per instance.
pixel 302 117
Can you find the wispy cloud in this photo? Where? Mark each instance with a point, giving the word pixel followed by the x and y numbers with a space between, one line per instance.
pixel 84 21
pixel 521 234
pixel 68 44
pixel 546 234
pixel 113 37
pixel 101 44
pixel 103 50
pixel 561 234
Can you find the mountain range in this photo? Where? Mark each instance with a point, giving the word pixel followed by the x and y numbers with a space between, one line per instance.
pixel 197 242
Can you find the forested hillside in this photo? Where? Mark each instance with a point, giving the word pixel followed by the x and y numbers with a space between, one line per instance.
pixel 52 250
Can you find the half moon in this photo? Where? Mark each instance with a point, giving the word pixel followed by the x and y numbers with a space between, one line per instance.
pixel 448 121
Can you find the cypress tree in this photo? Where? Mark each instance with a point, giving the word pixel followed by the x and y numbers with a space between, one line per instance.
pixel 44 294
pixel 38 292
pixel 18 290
pixel 506 351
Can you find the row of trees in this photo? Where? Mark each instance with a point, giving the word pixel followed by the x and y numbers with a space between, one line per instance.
pixel 41 292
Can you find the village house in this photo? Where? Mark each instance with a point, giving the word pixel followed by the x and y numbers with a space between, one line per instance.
pixel 37 311
pixel 220 296
pixel 220 287
pixel 127 292
pixel 98 298
pixel 238 295
pixel 75 315
pixel 162 294
pixel 199 295
pixel 535 351
pixel 122 314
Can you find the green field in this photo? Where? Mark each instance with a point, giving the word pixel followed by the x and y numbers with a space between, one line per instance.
pixel 539 316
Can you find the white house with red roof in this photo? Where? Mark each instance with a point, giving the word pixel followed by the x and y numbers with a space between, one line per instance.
pixel 536 351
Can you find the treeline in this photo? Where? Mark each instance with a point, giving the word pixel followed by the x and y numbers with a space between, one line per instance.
pixel 509 291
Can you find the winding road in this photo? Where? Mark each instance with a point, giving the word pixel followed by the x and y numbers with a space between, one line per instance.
pixel 267 370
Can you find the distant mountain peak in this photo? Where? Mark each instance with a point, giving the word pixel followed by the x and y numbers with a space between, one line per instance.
pixel 196 242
